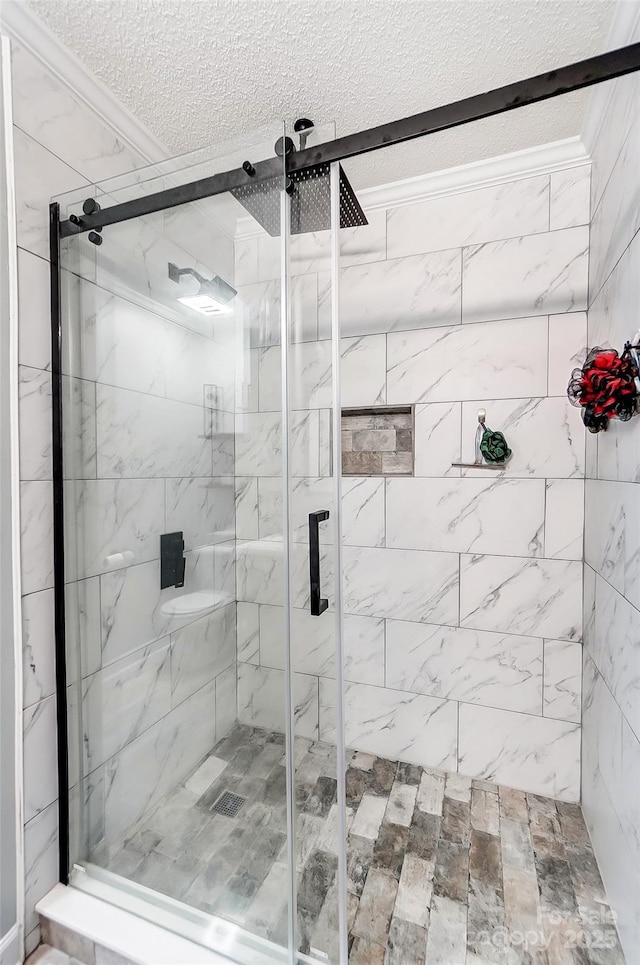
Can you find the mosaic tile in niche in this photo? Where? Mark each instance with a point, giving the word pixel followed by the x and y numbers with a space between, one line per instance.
pixel 378 441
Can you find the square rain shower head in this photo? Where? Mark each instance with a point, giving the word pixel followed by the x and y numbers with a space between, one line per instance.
pixel 310 201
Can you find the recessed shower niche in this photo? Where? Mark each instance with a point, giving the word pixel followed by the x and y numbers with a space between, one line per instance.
pixel 378 441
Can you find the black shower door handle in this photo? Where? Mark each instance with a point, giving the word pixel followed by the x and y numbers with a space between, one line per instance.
pixel 318 605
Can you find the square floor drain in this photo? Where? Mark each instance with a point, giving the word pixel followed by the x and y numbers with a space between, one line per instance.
pixel 228 804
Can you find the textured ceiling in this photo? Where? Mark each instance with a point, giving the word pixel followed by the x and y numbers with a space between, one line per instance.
pixel 196 72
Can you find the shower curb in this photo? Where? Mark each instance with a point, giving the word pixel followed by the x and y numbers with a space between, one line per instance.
pixel 94 932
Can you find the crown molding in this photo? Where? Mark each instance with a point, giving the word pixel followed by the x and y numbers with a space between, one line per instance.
pixel 527 163
pixel 556 156
pixel 624 30
pixel 25 27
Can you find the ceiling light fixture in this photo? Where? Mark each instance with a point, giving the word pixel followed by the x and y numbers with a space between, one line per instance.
pixel 213 297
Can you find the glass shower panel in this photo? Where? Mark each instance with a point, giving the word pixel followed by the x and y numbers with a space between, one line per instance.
pixel 173 432
pixel 313 526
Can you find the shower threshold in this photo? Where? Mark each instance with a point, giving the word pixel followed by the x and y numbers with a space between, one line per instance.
pixel 440 868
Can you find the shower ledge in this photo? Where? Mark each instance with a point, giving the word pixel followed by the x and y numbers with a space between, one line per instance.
pixel 192 604
pixel 269 545
pixel 498 466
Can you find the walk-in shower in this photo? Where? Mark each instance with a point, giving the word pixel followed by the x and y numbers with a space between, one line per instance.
pixel 318 639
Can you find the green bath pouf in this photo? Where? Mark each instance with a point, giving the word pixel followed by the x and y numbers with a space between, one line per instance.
pixel 493 447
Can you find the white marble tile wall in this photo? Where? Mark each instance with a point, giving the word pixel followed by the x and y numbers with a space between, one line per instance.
pixel 507 210
pixel 160 460
pixel 462 590
pixel 156 761
pixel 611 720
pixel 455 364
pixel 509 747
pixel 404 726
pixel 140 701
pixel 53 154
pixel 467 665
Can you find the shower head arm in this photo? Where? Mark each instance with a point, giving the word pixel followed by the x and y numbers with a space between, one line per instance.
pixel 175 274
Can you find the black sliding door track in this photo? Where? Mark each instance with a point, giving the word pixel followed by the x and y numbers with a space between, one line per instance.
pixel 585 73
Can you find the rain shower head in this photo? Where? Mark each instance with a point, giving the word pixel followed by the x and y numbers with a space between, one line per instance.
pixel 310 191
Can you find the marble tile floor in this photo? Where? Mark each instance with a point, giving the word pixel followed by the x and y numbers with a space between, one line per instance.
pixel 442 869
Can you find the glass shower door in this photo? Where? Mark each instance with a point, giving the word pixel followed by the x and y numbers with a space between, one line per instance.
pixel 312 519
pixel 181 571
